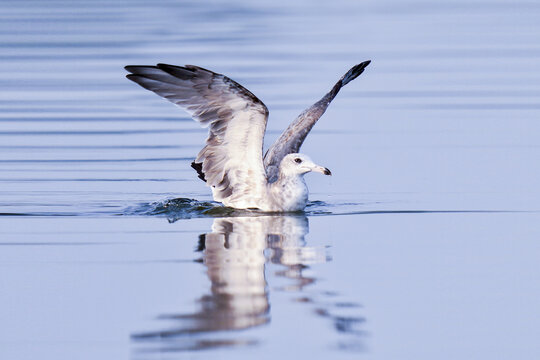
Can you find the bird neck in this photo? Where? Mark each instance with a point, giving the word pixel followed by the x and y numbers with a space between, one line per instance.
pixel 290 179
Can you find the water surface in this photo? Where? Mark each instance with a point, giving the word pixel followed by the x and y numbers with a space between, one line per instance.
pixel 422 245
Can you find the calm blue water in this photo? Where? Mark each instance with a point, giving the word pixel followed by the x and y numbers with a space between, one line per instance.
pixel 423 245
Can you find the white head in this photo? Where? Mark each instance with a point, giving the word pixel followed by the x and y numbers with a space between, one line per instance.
pixel 300 164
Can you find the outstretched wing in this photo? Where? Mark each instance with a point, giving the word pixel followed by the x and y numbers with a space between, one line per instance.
pixel 292 138
pixel 231 161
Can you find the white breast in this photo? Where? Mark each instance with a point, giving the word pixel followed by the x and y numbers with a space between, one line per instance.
pixel 290 194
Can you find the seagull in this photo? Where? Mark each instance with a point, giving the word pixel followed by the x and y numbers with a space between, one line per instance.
pixel 232 161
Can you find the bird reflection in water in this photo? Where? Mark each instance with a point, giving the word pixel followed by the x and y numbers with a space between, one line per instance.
pixel 235 254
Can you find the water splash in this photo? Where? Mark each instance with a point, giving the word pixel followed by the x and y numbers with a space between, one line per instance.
pixel 182 208
pixel 186 208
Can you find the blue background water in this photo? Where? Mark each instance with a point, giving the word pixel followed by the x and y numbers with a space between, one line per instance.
pixel 424 243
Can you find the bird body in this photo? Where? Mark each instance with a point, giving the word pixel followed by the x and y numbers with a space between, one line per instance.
pixel 232 161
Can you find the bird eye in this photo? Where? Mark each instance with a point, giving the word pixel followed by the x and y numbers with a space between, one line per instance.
pixel 298 160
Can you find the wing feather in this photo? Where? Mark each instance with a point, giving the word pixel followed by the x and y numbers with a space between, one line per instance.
pixel 292 138
pixel 231 161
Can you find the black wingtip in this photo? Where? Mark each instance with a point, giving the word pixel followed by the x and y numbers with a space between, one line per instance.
pixel 354 72
pixel 133 68
pixel 198 168
pixel 136 79
pixel 164 66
